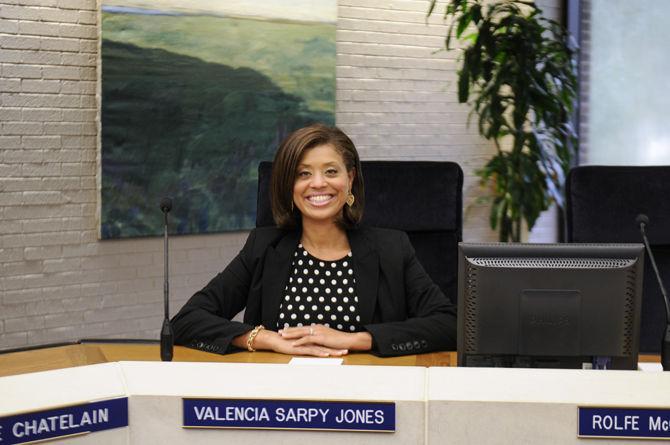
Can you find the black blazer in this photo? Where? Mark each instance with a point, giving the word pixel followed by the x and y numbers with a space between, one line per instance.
pixel 399 305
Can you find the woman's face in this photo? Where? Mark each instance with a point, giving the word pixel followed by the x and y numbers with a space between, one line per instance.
pixel 322 184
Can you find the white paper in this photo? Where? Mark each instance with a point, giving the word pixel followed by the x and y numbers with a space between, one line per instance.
pixel 315 361
pixel 649 366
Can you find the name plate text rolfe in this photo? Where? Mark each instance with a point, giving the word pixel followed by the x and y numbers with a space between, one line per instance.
pixel 289 414
pixel 631 423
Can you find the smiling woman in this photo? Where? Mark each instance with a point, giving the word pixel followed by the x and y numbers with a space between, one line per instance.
pixel 320 283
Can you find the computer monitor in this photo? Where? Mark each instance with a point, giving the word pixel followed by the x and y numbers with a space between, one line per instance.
pixel 549 305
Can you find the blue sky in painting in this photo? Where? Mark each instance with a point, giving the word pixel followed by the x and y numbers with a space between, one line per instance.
pixel 300 10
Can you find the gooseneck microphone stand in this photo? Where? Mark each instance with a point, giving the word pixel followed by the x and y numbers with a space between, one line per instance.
pixel 642 221
pixel 167 337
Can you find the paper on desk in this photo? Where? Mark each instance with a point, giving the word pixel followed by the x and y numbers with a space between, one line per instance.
pixel 649 366
pixel 315 361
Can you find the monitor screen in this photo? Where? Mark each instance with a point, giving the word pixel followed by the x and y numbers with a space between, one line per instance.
pixel 549 305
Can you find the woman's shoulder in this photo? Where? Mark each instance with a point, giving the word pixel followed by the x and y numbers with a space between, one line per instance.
pixel 387 242
pixel 381 233
pixel 261 238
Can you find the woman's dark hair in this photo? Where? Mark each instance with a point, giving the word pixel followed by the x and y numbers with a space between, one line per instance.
pixel 285 169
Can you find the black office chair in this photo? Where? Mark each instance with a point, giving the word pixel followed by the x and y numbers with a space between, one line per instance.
pixel 423 199
pixel 602 204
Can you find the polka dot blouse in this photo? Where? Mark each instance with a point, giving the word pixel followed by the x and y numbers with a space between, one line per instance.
pixel 320 292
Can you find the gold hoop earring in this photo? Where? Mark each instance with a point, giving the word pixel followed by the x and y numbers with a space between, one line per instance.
pixel 351 199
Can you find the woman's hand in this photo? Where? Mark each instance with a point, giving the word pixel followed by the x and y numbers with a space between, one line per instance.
pixel 271 341
pixel 320 335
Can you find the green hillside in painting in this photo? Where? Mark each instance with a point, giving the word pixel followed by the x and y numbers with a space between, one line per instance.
pixel 191 104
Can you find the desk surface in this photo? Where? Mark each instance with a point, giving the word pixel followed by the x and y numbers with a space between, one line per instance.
pixel 68 356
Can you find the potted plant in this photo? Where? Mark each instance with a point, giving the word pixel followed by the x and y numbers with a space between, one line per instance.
pixel 518 72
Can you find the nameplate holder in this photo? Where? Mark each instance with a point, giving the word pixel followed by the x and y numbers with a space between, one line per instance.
pixel 73 420
pixel 624 423
pixel 289 415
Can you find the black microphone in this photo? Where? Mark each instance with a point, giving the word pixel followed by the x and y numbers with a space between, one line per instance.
pixel 167 337
pixel 642 220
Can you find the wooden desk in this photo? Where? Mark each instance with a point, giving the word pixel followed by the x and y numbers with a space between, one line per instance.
pixel 68 356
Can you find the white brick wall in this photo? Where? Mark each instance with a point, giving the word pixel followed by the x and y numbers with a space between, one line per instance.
pixel 396 98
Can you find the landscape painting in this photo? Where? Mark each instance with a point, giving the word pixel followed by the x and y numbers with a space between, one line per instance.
pixel 195 94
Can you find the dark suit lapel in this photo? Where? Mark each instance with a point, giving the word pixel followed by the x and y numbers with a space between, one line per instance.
pixel 366 271
pixel 275 274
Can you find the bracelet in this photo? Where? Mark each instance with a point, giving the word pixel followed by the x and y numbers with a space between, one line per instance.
pixel 252 337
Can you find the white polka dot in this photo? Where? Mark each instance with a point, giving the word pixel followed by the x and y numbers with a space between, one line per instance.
pixel 293 289
pixel 321 263
pixel 345 299
pixel 301 307
pixel 299 262
pixel 339 273
pixel 346 318
pixel 306 316
pixel 289 307
pixel 281 315
pixel 333 282
pixel 321 299
pixel 345 281
pixel 316 290
pixel 352 308
pixel 305 271
pixel 339 326
pixel 295 254
pixel 314 307
pixel 333 265
pixel 351 290
pixel 287 298
pixel 311 263
pixel 304 253
pixel 358 318
pixel 316 271
pixel 320 316
pixel 339 308
pixel 327 308
pixel 327 325
pixel 290 280
pixel 327 273
pixel 311 281
pixel 350 272
pixel 345 264
pixel 295 271
pixel 304 289
pixel 286 325
pixel 293 316
pixel 333 317
pixel 322 281
pixel 327 290
pixel 297 298
pixel 339 290
pixel 334 300
pixel 299 325
pixel 355 299
pixel 309 299
pixel 300 280
pixel 351 328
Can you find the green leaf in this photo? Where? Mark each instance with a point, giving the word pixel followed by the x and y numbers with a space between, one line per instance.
pixel 463 86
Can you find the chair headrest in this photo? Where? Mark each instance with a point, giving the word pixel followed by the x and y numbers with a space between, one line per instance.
pixel 603 202
pixel 406 195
